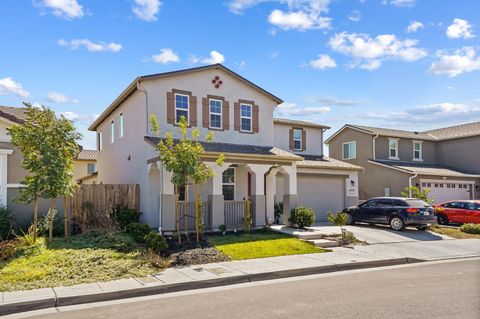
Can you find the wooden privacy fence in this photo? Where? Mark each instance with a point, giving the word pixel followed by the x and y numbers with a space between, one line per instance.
pixel 92 201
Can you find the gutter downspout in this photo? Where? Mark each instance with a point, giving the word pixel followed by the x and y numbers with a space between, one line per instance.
pixel 144 91
pixel 373 146
pixel 410 184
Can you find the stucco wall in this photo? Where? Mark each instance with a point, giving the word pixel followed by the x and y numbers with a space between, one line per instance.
pixel 376 178
pixel 462 154
pixel 80 168
pixel 364 146
pixel 314 137
pixel 405 149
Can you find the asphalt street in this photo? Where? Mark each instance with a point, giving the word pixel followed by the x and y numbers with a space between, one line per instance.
pixel 445 289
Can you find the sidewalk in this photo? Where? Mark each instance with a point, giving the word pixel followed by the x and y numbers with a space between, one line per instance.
pixel 233 272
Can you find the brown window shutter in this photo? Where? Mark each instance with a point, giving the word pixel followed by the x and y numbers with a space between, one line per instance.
pixel 170 108
pixel 236 110
pixel 193 111
pixel 255 119
pixel 290 139
pixel 304 140
pixel 226 115
pixel 205 113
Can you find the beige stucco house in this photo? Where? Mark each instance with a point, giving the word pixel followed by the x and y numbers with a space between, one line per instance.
pixel 85 167
pixel 445 160
pixel 267 159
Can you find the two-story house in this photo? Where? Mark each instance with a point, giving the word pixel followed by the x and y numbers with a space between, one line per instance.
pixel 445 160
pixel 267 159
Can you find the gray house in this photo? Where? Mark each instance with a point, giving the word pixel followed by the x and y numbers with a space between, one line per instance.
pixel 445 160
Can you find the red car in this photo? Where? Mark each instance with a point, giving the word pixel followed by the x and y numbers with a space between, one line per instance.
pixel 458 212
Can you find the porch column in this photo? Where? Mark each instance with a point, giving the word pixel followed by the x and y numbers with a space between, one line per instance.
pixel 271 190
pixel 167 202
pixel 153 202
pixel 290 196
pixel 217 205
pixel 258 191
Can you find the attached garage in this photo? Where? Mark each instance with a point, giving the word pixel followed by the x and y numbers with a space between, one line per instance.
pixel 441 191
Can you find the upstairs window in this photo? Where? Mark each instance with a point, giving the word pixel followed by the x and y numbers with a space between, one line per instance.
pixel 91 168
pixel 215 114
pixel 350 150
pixel 246 117
pixel 297 140
pixel 181 107
pixel 228 184
pixel 112 132
pixel 417 151
pixel 393 148
pixel 121 125
pixel 99 140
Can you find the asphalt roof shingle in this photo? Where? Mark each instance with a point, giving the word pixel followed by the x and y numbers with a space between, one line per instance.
pixel 426 169
pixel 299 123
pixel 326 162
pixel 14 114
pixel 87 155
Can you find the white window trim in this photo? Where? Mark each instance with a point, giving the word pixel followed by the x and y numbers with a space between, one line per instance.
pixel 234 184
pixel 420 159
pixel 343 150
pixel 183 110
pixel 246 117
pixel 121 126
pixel 112 132
pixel 301 139
pixel 100 140
pixel 396 149
pixel 210 113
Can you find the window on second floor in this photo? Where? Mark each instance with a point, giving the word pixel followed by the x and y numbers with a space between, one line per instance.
pixel 181 107
pixel 99 140
pixel 417 151
pixel 91 168
pixel 112 132
pixel 297 140
pixel 228 184
pixel 121 125
pixel 350 150
pixel 215 114
pixel 393 148
pixel 245 117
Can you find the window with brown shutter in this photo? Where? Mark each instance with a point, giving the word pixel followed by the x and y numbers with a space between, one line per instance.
pixel 298 135
pixel 246 117
pixel 181 103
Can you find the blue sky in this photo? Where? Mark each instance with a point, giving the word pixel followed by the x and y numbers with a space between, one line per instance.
pixel 392 63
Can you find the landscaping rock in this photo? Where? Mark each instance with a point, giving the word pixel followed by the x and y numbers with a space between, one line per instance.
pixel 198 256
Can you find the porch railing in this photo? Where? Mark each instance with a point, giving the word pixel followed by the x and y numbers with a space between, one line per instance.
pixel 233 214
pixel 190 215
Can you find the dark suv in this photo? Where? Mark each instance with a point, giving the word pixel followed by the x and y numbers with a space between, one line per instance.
pixel 397 212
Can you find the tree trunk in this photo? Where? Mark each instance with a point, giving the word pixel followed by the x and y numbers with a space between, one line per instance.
pixel 197 215
pixel 65 217
pixel 35 218
pixel 185 224
pixel 50 219
pixel 177 223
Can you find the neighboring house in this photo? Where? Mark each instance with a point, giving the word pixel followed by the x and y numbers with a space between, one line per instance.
pixel 446 160
pixel 266 159
pixel 85 167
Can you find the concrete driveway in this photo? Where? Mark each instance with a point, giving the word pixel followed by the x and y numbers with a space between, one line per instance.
pixel 381 234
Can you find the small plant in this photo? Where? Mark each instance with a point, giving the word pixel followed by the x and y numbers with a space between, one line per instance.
pixel 8 248
pixel 415 192
pixel 340 220
pixel 155 242
pixel 222 228
pixel 138 231
pixel 303 216
pixel 6 224
pixel 470 228
pixel 278 212
pixel 125 216
pixel 156 260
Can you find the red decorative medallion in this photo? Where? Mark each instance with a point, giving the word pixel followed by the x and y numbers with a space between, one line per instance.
pixel 216 81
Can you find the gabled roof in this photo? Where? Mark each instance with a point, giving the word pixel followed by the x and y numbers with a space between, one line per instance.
pixel 316 161
pixel 86 155
pixel 452 132
pixel 133 86
pixel 423 169
pixel 13 114
pixel 299 123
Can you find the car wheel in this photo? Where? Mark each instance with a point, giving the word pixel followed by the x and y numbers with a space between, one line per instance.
pixel 422 227
pixel 350 220
pixel 396 223
pixel 442 219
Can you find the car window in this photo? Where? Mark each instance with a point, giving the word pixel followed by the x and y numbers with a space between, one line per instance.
pixel 370 204
pixel 398 202
pixel 416 203
pixel 472 206
pixel 456 205
pixel 384 203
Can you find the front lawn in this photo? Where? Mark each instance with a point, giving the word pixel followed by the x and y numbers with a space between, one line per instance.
pixel 453 232
pixel 85 258
pixel 259 245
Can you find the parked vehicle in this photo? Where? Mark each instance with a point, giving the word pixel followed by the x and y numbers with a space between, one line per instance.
pixel 458 212
pixel 398 212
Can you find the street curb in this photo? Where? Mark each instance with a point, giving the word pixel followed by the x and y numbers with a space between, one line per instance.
pixel 24 306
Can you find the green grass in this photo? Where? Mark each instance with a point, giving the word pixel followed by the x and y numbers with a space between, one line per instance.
pixel 453 232
pixel 260 245
pixel 83 259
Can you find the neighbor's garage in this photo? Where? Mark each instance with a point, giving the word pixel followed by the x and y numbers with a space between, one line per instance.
pixel 445 190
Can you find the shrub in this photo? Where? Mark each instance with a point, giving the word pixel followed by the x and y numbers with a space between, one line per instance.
pixel 138 231
pixel 6 224
pixel 278 211
pixel 8 249
pixel 155 242
pixel 470 228
pixel 43 226
pixel 125 216
pixel 222 228
pixel 303 216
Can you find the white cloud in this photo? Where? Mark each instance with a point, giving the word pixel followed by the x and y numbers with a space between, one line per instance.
pixel 56 97
pixel 414 26
pixel 460 61
pixel 400 3
pixel 81 118
pixel 368 52
pixel 355 16
pixel 147 9
pixel 68 9
pixel 324 61
pixel 214 58
pixel 9 86
pixel 100 46
pixel 165 56
pixel 239 6
pixel 460 29
pixel 331 101
pixel 302 15
pixel 291 109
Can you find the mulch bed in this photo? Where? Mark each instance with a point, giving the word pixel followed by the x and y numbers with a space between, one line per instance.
pixel 192 252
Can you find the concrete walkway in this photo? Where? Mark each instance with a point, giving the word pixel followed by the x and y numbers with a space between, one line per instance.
pixel 233 272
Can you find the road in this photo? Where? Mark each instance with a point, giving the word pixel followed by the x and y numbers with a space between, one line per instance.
pixel 446 289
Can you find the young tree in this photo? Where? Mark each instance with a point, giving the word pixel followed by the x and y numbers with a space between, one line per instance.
pixel 48 144
pixel 415 192
pixel 183 159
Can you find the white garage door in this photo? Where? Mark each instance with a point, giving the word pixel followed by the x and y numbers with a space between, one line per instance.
pixel 445 191
pixel 323 194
